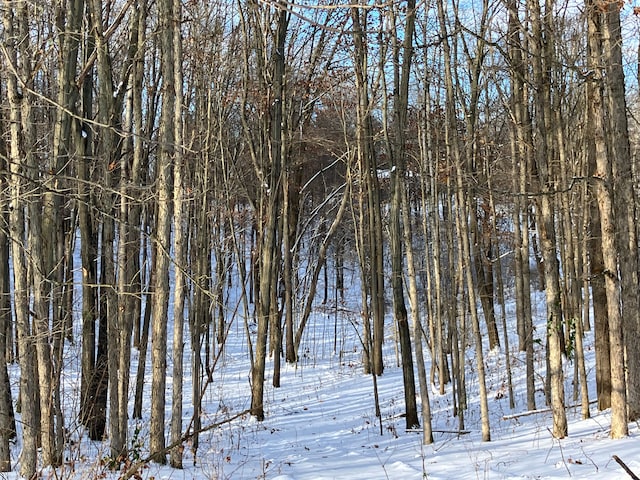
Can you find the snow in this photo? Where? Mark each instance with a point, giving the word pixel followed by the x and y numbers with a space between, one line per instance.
pixel 321 425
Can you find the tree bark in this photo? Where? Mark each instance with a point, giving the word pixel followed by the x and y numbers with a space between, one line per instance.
pixel 603 178
pixel 16 27
pixel 540 50
pixel 160 300
pixel 179 244
pixel 625 204
pixel 397 148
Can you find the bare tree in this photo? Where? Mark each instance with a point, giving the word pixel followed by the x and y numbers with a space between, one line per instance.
pixel 603 175
pixel 396 140
pixel 20 96
pixel 164 162
pixel 540 53
pixel 373 282
pixel 179 244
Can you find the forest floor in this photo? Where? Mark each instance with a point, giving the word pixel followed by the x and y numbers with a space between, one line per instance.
pixel 320 424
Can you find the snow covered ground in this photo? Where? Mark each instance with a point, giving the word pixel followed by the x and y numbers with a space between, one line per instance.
pixel 321 425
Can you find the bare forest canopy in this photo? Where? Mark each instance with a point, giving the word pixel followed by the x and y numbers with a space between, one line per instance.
pixel 169 167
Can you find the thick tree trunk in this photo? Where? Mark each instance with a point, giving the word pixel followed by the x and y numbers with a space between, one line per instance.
pixel 595 128
pixel 603 177
pixel 625 204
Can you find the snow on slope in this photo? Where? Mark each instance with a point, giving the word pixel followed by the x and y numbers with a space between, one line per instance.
pixel 321 425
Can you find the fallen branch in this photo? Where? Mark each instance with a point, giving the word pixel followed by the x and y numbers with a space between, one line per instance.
pixel 135 467
pixel 457 432
pixel 526 414
pixel 625 468
pixel 539 410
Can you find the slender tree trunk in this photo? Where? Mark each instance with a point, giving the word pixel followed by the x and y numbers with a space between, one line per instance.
pixel 521 140
pixel 41 320
pixel 91 414
pixel 106 151
pixel 462 211
pixel 500 285
pixel 398 162
pixel 144 338
pixel 368 169
pixel 540 50
pixel 288 233
pixel 179 244
pixel 7 419
pixel 56 261
pixel 160 299
pixel 271 204
pixel 418 337
pixel 15 22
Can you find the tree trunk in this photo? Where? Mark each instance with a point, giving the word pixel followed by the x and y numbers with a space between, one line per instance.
pixel 179 244
pixel 521 141
pixel 144 338
pixel 16 27
pixel 368 170
pixel 397 148
pixel 160 299
pixel 540 26
pixel 7 419
pixel 603 177
pixel 462 212
pixel 625 205
pixel 270 202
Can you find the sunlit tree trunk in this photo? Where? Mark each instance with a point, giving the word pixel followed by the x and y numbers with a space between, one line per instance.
pixel 596 260
pixel 179 243
pixel 546 213
pixel 625 206
pixel 16 27
pixel 462 226
pixel 164 163
pixel 604 190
